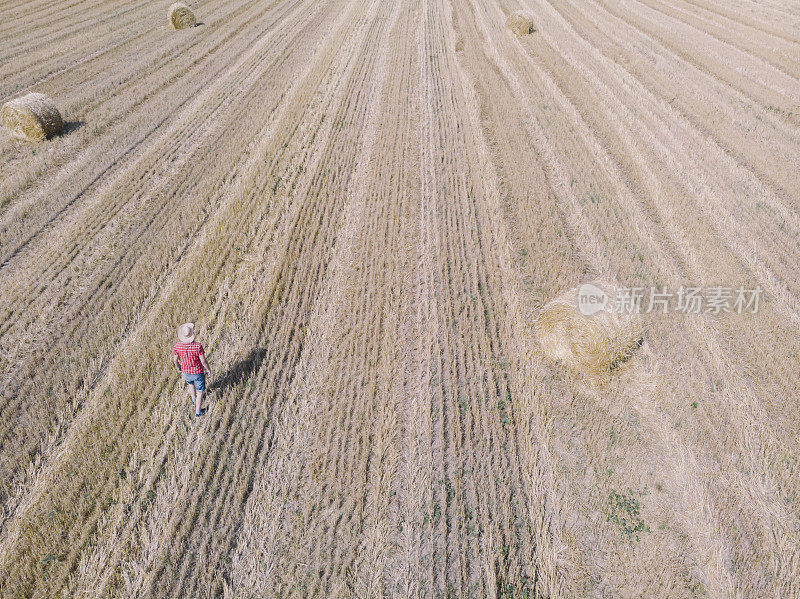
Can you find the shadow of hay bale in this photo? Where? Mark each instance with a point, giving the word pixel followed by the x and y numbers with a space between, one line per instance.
pixel 71 126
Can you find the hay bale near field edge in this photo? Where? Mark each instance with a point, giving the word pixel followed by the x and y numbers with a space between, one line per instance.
pixel 181 16
pixel 591 344
pixel 520 23
pixel 32 117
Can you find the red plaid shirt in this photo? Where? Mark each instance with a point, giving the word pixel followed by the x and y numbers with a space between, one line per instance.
pixel 189 353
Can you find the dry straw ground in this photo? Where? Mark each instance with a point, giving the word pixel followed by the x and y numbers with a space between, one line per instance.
pixel 364 205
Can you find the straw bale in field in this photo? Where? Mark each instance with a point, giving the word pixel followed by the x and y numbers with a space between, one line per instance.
pixel 590 340
pixel 520 23
pixel 181 16
pixel 33 117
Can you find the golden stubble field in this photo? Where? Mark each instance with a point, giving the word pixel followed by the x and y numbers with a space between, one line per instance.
pixel 364 205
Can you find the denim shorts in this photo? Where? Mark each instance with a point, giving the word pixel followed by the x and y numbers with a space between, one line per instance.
pixel 198 380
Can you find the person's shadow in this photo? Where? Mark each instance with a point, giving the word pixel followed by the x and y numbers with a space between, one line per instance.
pixel 240 371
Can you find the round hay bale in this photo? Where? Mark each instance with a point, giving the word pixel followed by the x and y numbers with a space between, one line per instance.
pixel 520 23
pixel 588 335
pixel 181 16
pixel 33 117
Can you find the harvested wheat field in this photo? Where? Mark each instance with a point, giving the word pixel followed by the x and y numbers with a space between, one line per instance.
pixel 365 207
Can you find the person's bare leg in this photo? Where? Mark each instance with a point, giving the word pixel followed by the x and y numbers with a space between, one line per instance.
pixel 198 402
pixel 191 392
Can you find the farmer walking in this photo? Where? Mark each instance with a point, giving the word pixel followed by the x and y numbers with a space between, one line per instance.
pixel 189 358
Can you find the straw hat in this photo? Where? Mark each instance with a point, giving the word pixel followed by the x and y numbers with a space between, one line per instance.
pixel 186 332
